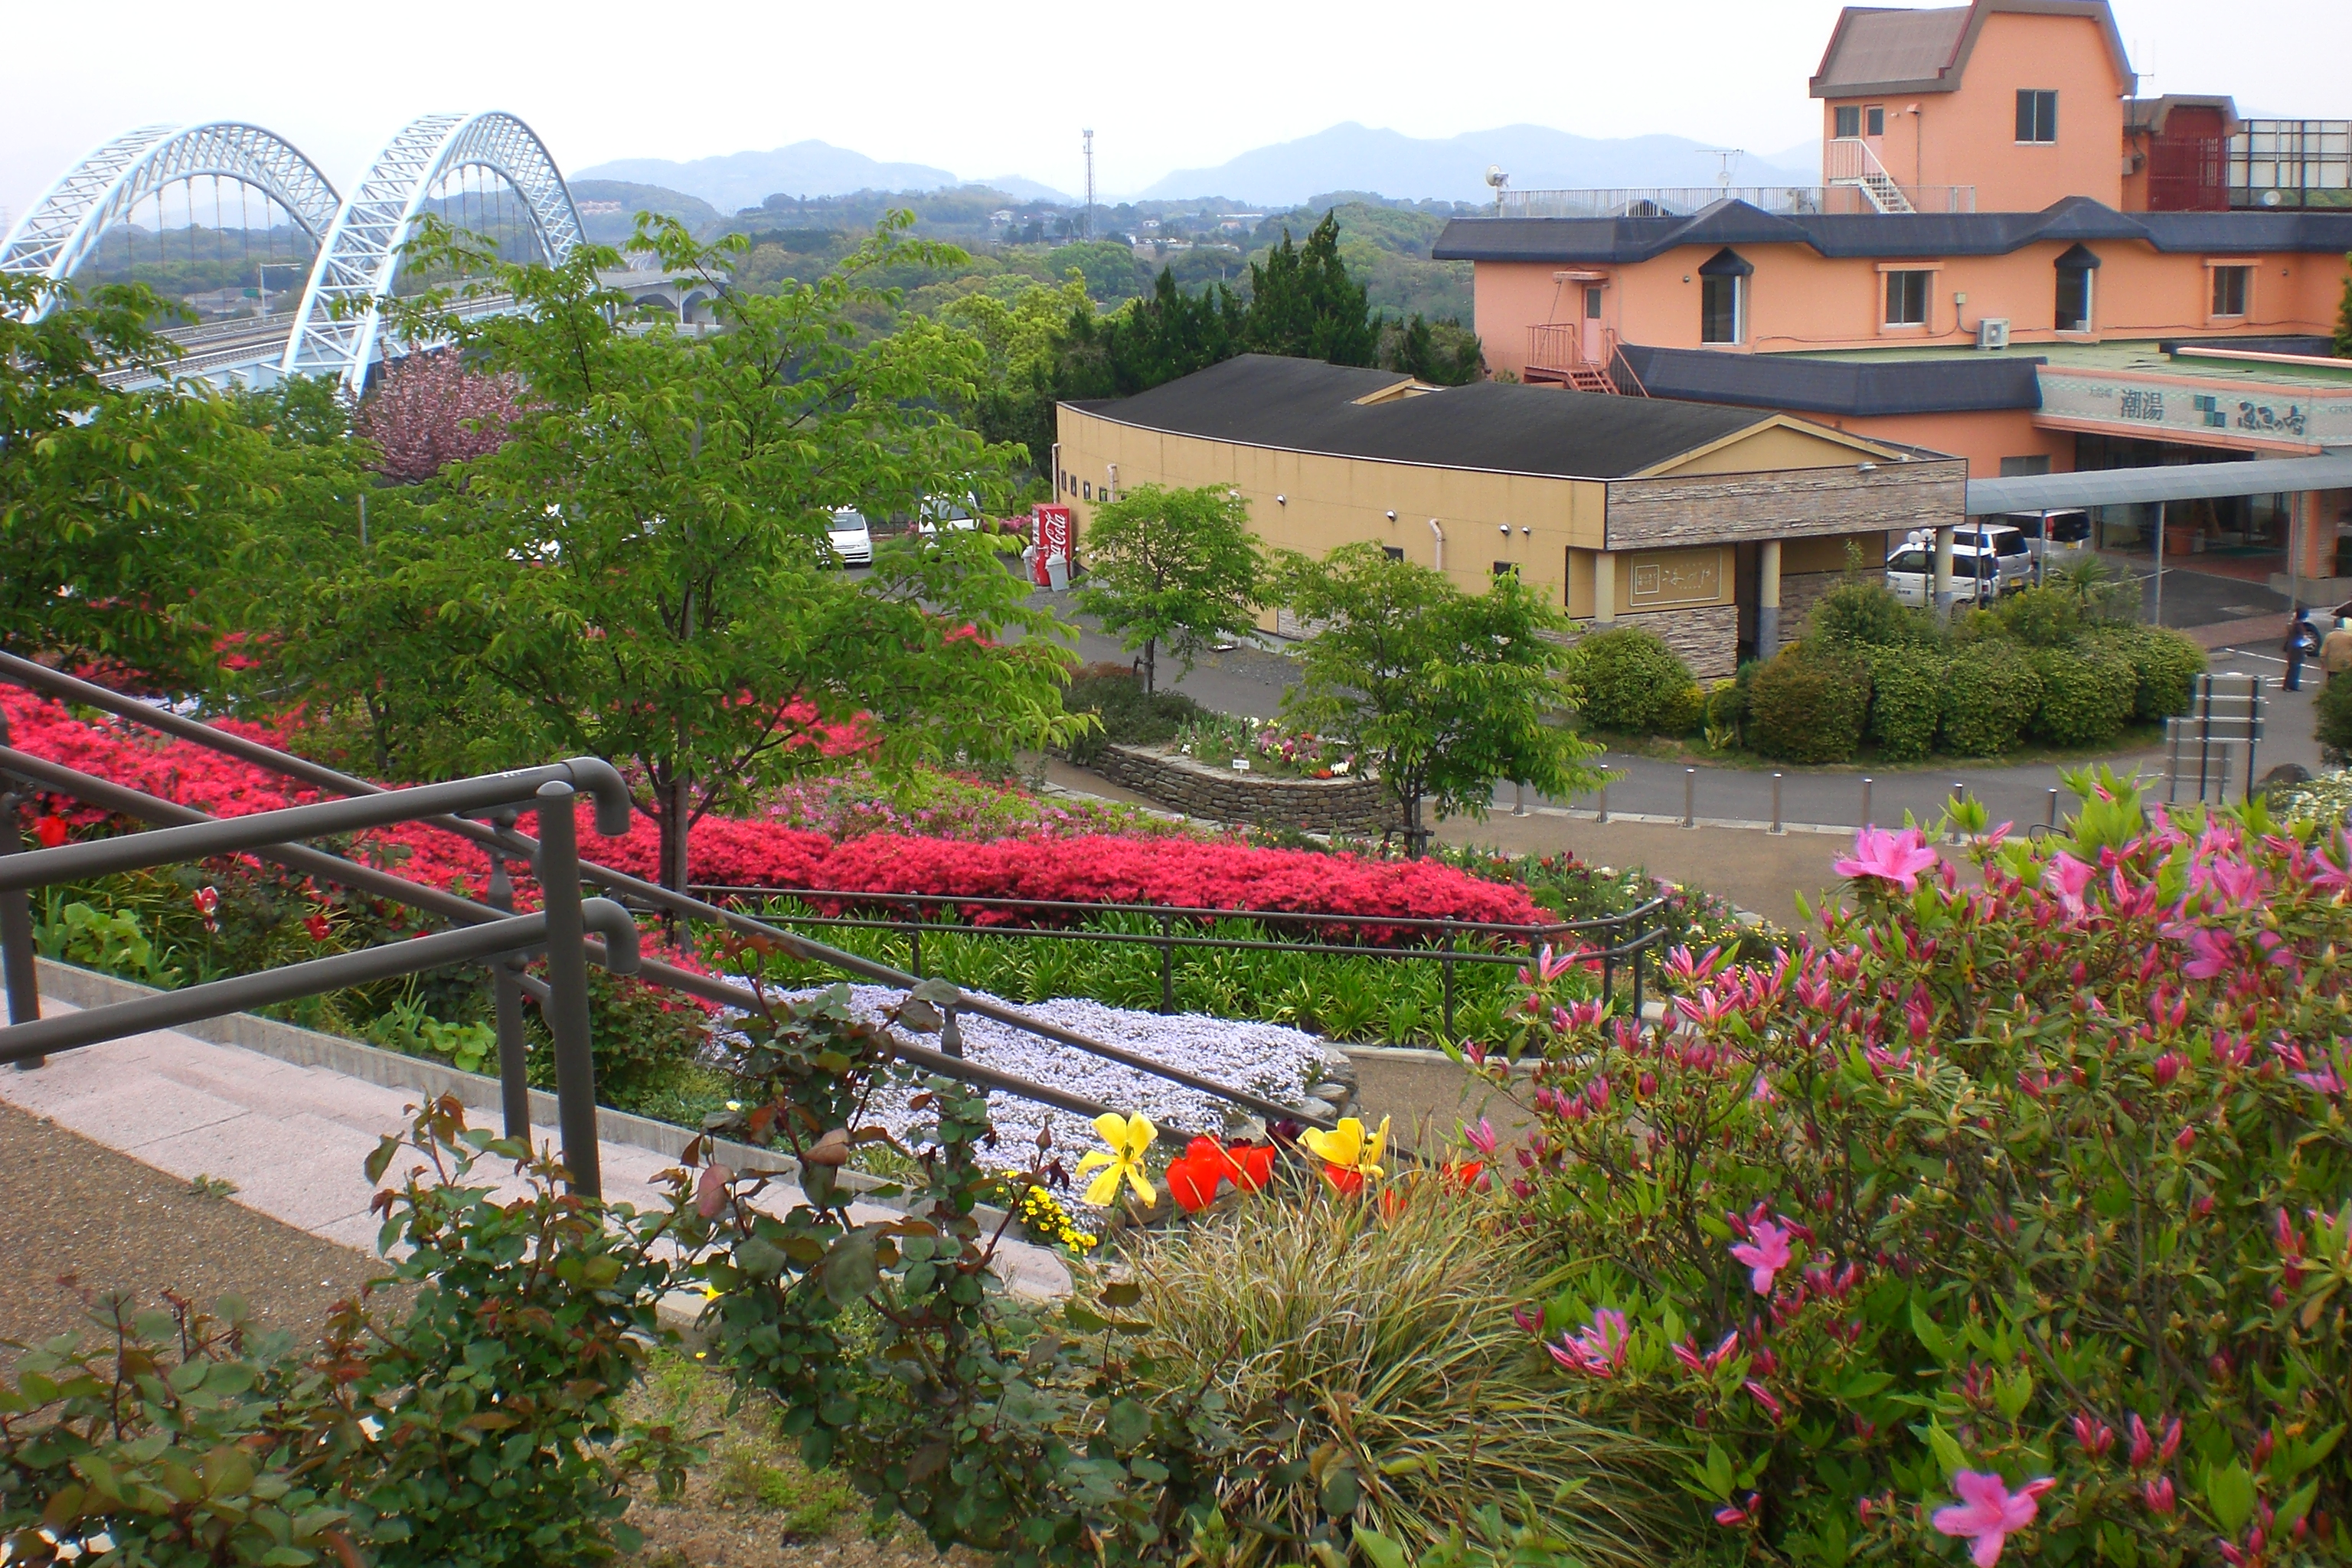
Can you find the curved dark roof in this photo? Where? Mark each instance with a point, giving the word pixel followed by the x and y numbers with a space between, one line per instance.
pixel 1624 240
pixel 1875 50
pixel 1306 405
pixel 1839 386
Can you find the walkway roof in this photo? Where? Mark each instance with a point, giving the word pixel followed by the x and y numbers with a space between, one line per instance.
pixel 2186 481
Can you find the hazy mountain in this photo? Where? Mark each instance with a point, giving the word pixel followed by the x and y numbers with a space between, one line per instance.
pixel 736 180
pixel 1026 190
pixel 1535 157
pixel 609 208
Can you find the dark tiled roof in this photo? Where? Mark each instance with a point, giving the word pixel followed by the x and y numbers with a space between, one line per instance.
pixel 2076 219
pixel 1839 386
pixel 1871 47
pixel 1305 406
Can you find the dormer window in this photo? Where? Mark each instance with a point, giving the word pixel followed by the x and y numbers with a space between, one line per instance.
pixel 2076 268
pixel 1723 297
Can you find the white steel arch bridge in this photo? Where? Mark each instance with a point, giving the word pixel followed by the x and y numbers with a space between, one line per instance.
pixel 437 160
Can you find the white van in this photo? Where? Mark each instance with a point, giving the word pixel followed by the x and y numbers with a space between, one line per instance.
pixel 852 541
pixel 939 511
pixel 2053 537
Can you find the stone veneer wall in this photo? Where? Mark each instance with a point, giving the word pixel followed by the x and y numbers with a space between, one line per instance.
pixel 1800 592
pixel 1311 805
pixel 1705 638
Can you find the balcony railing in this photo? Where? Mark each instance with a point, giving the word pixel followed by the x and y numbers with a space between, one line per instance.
pixel 1681 201
pixel 2290 164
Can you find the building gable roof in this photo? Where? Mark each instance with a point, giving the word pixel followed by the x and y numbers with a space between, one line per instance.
pixel 1305 406
pixel 1893 385
pixel 1875 51
pixel 2075 220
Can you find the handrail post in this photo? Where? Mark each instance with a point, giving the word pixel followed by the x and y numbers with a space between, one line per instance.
pixel 16 927
pixel 913 927
pixel 1167 964
pixel 567 984
pixel 1447 966
pixel 506 1000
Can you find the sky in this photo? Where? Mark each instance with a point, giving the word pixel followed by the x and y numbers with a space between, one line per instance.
pixel 1004 89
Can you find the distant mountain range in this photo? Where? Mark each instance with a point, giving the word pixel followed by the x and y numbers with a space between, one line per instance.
pixel 1354 157
pixel 1348 157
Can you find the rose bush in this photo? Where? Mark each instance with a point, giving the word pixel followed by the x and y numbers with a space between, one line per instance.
pixel 1981 1218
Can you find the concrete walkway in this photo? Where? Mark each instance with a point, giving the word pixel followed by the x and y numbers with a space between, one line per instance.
pixel 294 1139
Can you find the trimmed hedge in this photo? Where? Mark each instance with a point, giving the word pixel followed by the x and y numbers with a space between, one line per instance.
pixel 2165 667
pixel 2086 694
pixel 1808 706
pixel 1629 680
pixel 1907 701
pixel 1991 692
pixel 1683 712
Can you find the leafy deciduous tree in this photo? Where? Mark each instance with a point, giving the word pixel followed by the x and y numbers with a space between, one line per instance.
pixel 1449 692
pixel 640 571
pixel 1174 566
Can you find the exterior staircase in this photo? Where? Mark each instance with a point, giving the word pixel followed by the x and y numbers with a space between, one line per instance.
pixel 1849 162
pixel 1556 354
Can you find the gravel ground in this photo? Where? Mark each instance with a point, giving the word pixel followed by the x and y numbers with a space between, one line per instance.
pixel 77 1217
pixel 1273 1061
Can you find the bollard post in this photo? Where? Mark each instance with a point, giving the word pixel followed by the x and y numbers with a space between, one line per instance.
pixel 16 928
pixel 506 1000
pixel 1960 799
pixel 1604 804
pixel 2051 820
pixel 1865 801
pixel 1775 804
pixel 567 986
pixel 1690 797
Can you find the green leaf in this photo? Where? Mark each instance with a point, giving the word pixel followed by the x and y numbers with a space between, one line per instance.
pixel 1946 1448
pixel 1128 1423
pixel 1382 1552
pixel 1342 1492
pixel 2230 1495
pixel 1121 1293
pixel 852 1266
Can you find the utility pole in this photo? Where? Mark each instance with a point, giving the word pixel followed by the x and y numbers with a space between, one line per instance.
pixel 1086 225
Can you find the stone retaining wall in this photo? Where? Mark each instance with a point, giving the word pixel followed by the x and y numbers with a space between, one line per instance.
pixel 1311 805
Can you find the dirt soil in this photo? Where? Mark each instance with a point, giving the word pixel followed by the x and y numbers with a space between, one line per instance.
pixel 78 1217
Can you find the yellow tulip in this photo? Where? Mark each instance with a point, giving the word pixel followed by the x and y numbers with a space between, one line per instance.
pixel 1130 1138
pixel 1346 1148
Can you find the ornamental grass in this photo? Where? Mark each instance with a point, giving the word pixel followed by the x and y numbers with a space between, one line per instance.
pixel 1368 1349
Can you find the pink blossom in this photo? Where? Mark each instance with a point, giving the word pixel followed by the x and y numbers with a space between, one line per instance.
pixel 1763 1397
pixel 1480 1137
pixel 1988 1512
pixel 1598 1350
pixel 2068 877
pixel 1888 857
pixel 1766 1254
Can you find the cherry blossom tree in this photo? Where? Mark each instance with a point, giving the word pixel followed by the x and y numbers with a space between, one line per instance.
pixel 431 410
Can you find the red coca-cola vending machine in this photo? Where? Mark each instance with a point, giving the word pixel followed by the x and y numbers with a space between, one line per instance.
pixel 1049 547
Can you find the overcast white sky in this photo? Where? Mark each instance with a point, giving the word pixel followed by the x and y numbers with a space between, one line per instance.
pixel 1004 87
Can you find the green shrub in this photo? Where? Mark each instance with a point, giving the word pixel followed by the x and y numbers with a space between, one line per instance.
pixel 1991 691
pixel 2333 709
pixel 2086 695
pixel 1808 706
pixel 1129 717
pixel 1906 699
pixel 2042 618
pixel 1727 705
pixel 1627 679
pixel 2165 667
pixel 1861 612
pixel 1683 712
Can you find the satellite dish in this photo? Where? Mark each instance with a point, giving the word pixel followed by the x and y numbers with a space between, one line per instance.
pixel 1495 175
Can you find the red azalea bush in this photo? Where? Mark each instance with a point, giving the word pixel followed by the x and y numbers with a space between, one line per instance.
pixel 2015 1214
pixel 1093 868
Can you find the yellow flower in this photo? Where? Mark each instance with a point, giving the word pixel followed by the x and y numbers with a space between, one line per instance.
pixel 1345 1147
pixel 1130 1138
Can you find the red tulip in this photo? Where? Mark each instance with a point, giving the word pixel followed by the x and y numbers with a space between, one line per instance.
pixel 1193 1183
pixel 50 831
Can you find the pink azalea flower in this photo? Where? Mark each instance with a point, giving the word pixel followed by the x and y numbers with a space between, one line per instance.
pixel 1765 1255
pixel 1889 857
pixel 1988 1512
pixel 2068 877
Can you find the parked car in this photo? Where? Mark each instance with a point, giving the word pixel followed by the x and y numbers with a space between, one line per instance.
pixel 852 540
pixel 963 516
pixel 2053 537
pixel 1911 575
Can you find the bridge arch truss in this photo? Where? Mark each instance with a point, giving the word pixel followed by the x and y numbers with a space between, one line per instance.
pixel 59 232
pixel 337 328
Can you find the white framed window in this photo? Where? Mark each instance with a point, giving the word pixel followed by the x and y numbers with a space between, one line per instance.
pixel 2232 286
pixel 1723 309
pixel 1874 120
pixel 1907 294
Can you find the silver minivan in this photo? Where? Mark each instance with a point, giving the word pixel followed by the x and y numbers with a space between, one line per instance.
pixel 852 541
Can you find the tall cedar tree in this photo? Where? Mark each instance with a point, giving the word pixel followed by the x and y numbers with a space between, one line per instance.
pixel 1302 304
pixel 640 571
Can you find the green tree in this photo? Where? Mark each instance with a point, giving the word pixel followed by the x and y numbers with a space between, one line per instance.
pixel 1449 692
pixel 1303 304
pixel 2344 313
pixel 640 571
pixel 1445 354
pixel 116 508
pixel 1174 566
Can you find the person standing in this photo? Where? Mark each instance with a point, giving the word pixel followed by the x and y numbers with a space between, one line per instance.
pixel 2302 643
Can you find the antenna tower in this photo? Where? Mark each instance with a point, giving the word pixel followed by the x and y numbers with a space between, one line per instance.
pixel 1086 226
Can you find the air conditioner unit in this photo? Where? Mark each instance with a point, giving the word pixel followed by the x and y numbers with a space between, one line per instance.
pixel 1992 333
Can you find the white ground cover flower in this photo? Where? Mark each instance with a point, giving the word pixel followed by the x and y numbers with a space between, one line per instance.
pixel 1271 1061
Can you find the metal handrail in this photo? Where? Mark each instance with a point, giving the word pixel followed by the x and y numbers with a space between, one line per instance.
pixel 505 840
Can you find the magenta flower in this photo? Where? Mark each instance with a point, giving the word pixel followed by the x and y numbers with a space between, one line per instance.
pixel 1766 1254
pixel 1988 1512
pixel 1598 1350
pixel 1888 857
pixel 2068 877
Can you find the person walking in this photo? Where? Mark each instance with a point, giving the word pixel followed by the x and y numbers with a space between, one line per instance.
pixel 2302 643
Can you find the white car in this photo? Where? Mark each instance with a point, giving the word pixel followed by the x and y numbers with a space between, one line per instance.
pixel 852 541
pixel 963 516
pixel 1911 575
